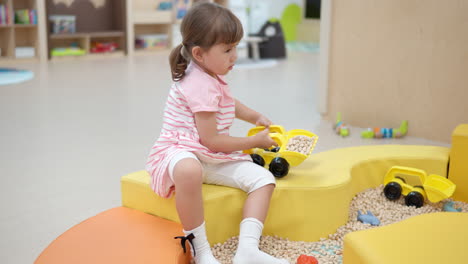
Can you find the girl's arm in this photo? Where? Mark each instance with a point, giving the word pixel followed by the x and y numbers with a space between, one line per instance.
pixel 249 115
pixel 209 137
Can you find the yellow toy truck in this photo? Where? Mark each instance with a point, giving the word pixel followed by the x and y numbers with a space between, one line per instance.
pixel 416 185
pixel 293 148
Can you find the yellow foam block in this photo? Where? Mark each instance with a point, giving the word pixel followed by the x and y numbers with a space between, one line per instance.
pixel 311 202
pixel 458 172
pixel 429 238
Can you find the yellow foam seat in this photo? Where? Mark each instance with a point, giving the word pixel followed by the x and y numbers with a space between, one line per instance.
pixel 311 202
pixel 458 172
pixel 429 238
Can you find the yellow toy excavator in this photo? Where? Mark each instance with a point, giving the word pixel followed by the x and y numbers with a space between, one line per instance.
pixel 294 146
pixel 416 185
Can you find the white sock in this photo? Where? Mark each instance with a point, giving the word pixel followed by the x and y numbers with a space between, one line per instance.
pixel 201 247
pixel 247 250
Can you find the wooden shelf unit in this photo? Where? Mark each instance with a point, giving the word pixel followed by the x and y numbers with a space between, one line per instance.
pixel 24 26
pixel 13 36
pixel 103 24
pixel 147 19
pixel 119 21
pixel 152 17
pixel 91 35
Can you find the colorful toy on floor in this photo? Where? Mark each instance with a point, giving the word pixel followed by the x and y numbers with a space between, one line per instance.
pixel 340 128
pixel 368 218
pixel 304 259
pixel 416 185
pixel 386 132
pixel 448 207
pixel 293 148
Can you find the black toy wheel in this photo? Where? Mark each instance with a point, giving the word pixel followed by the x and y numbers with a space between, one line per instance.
pixel 279 167
pixel 414 199
pixel 257 159
pixel 392 191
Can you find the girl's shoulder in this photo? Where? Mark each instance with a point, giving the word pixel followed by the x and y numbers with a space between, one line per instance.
pixel 196 78
pixel 196 74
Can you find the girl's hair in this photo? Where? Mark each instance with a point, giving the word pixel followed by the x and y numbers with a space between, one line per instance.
pixel 204 25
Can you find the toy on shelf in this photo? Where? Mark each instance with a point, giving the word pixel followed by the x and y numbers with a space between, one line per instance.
pixel 416 185
pixel 62 24
pixel 340 127
pixel 165 6
pixel 103 47
pixel 181 7
pixel 151 41
pixel 448 207
pixel 368 218
pixel 293 148
pixel 304 259
pixel 386 132
pixel 25 17
pixel 70 51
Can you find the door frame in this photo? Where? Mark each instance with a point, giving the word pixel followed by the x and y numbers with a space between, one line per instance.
pixel 324 55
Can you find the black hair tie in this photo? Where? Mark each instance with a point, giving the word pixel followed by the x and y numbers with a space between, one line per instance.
pixel 185 238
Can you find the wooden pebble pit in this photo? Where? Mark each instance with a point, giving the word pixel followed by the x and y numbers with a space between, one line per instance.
pixel 329 250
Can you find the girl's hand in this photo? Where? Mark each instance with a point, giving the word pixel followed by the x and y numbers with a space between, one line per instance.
pixel 263 121
pixel 263 139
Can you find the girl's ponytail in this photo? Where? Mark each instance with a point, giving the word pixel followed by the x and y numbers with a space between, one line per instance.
pixel 178 63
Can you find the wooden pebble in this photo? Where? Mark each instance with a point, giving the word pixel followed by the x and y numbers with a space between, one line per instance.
pixel 301 144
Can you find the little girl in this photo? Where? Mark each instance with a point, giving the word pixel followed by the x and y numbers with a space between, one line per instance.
pixel 194 146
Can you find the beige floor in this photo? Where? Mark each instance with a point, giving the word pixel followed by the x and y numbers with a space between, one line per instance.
pixel 68 135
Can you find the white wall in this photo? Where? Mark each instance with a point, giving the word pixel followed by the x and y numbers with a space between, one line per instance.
pixel 277 6
pixel 262 10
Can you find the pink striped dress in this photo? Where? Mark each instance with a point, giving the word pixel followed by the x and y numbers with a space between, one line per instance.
pixel 196 92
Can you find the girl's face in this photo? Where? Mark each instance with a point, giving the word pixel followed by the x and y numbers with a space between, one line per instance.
pixel 219 59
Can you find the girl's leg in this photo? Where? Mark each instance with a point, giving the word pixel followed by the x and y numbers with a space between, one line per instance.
pixel 258 202
pixel 248 176
pixel 188 178
pixel 251 228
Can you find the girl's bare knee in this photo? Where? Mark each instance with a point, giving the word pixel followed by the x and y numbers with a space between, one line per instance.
pixel 188 173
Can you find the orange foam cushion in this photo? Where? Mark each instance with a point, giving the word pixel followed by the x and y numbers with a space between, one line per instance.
pixel 119 235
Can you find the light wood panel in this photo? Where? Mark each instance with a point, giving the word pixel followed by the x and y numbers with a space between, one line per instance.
pixel 400 59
